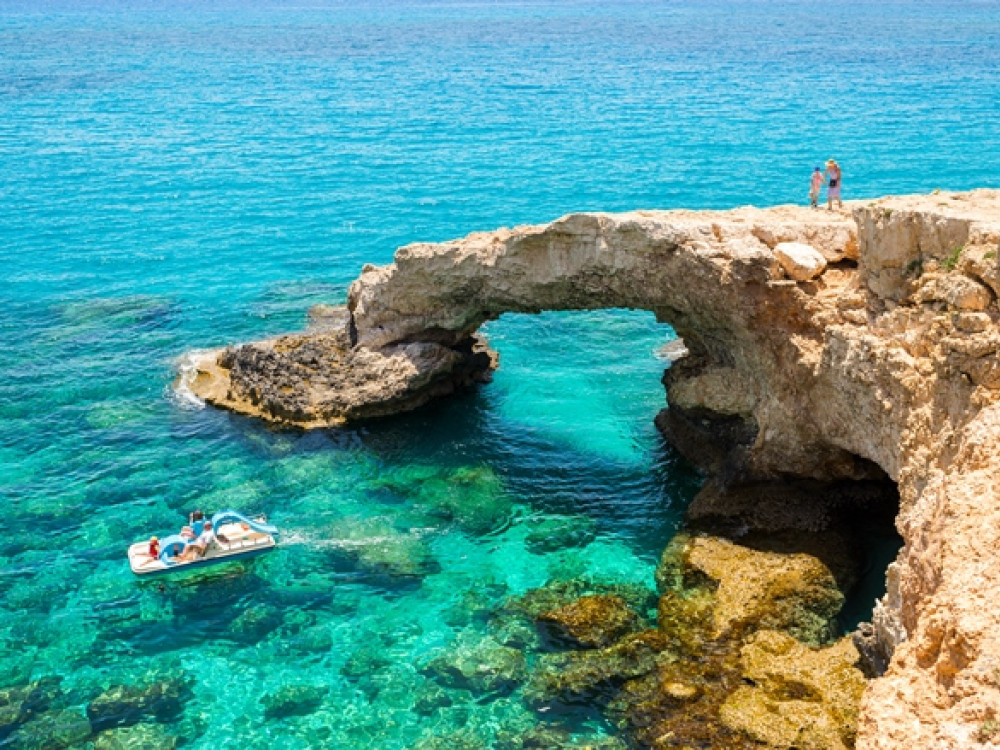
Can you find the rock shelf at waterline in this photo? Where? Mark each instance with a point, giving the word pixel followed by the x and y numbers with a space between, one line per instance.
pixel 872 354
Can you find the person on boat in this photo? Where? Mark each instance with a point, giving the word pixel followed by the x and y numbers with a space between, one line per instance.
pixel 154 550
pixel 199 546
pixel 196 525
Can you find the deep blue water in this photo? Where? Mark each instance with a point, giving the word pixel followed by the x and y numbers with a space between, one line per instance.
pixel 173 177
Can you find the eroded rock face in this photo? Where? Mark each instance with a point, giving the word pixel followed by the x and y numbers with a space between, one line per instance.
pixel 794 696
pixel 757 588
pixel 886 367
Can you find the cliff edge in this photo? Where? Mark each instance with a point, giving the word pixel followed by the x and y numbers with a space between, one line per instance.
pixel 827 346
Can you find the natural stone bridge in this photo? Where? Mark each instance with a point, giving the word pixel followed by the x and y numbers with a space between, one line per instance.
pixel 872 350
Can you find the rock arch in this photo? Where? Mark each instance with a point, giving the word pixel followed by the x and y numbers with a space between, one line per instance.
pixel 874 346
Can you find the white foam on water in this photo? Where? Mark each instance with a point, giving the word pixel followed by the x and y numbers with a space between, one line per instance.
pixel 180 391
pixel 297 537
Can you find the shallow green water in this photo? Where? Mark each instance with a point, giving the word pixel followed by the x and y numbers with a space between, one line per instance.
pixel 397 538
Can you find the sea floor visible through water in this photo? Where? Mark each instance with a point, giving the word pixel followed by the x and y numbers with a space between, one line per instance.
pixel 176 177
pixel 399 539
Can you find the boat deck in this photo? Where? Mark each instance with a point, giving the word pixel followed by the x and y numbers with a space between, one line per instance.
pixel 240 543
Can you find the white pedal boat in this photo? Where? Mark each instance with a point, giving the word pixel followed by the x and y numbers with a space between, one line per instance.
pixel 244 537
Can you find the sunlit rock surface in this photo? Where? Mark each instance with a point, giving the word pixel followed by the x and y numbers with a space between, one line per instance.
pixel 794 696
pixel 591 621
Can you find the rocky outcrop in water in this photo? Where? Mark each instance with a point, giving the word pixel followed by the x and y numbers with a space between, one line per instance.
pixel 724 666
pixel 318 379
pixel 794 696
pixel 882 363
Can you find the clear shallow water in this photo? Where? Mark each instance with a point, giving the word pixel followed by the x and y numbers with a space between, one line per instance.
pixel 178 178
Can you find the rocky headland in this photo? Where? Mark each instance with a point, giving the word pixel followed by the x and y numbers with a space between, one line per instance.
pixel 828 353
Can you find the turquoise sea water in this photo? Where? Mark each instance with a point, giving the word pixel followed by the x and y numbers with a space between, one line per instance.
pixel 174 177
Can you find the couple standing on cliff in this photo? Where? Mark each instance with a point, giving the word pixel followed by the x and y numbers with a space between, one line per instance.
pixel 830 178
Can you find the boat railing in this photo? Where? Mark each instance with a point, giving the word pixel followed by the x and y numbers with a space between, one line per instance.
pixel 231 516
pixel 242 543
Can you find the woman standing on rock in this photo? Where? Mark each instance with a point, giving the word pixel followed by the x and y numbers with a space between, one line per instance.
pixel 833 185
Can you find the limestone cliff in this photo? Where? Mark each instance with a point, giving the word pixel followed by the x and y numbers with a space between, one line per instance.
pixel 822 345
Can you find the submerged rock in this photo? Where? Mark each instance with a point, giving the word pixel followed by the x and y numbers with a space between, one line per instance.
pixel 552 534
pixel 136 737
pixel 594 674
pixel 293 700
pixel 536 738
pixel 462 740
pixel 563 592
pixel 52 730
pixel 374 545
pixel 430 698
pixel 18 704
pixel 472 497
pixel 591 621
pixel 554 737
pixel 316 640
pixel 478 664
pixel 255 622
pixel 368 659
pixel 474 605
pixel 514 630
pixel 123 705
pixel 685 618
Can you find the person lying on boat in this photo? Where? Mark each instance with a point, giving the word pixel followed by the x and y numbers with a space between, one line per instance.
pixel 198 547
pixel 196 525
